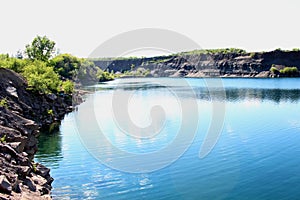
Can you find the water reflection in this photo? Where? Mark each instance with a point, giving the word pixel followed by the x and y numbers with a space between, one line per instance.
pixel 254 155
pixel 233 94
pixel 276 95
pixel 49 148
pixel 241 94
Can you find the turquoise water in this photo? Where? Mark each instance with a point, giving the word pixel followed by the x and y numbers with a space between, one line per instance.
pixel 256 155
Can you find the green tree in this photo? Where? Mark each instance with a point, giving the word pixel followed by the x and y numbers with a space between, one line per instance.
pixel 66 65
pixel 41 49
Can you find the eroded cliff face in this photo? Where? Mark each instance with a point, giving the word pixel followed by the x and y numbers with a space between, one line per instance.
pixel 22 113
pixel 208 64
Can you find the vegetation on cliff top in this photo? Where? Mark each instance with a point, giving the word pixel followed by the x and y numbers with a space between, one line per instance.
pixel 47 73
pixel 285 71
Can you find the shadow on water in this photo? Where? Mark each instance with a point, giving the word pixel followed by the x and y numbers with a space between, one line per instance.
pixel 241 94
pixel 276 95
pixel 233 94
pixel 49 148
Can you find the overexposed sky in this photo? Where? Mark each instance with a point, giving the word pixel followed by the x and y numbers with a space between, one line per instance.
pixel 78 27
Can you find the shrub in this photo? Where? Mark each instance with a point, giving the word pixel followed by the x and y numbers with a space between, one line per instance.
pixel 14 64
pixel 290 71
pixel 66 65
pixel 104 76
pixel 68 87
pixel 41 78
pixel 274 70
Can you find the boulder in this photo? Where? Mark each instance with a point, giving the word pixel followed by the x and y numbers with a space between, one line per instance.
pixel 5 185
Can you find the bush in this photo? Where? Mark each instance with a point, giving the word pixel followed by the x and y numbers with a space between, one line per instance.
pixel 41 78
pixel 290 71
pixel 14 64
pixel 68 87
pixel 274 70
pixel 66 65
pixel 104 76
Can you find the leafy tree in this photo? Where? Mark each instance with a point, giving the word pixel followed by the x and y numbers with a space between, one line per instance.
pixel 66 65
pixel 41 49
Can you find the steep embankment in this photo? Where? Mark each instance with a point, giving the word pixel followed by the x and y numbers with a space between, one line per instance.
pixel 208 64
pixel 22 113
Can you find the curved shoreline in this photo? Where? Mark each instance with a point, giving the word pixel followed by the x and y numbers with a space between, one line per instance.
pixel 22 114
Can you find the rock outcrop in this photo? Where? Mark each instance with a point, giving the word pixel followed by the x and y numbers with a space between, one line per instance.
pixel 22 114
pixel 208 64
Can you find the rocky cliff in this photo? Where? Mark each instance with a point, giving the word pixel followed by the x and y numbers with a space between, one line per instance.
pixel 22 114
pixel 208 64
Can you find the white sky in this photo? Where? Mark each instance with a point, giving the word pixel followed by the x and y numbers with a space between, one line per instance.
pixel 78 27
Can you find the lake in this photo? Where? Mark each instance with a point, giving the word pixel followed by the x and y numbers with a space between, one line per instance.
pixel 170 138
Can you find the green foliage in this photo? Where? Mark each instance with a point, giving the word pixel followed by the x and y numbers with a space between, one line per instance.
pixel 66 65
pixel 295 49
pixel 14 64
pixel 252 54
pixel 41 78
pixel 41 49
pixel 104 76
pixel 50 112
pixel 34 167
pixel 274 70
pixel 290 71
pixel 3 139
pixel 68 87
pixel 3 103
pixel 88 72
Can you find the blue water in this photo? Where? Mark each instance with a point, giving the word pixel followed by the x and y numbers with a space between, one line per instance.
pixel 256 154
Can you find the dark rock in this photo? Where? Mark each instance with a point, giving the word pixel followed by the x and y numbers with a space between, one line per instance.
pixel 199 65
pixel 26 112
pixel 5 185
pixel 42 170
pixel 30 184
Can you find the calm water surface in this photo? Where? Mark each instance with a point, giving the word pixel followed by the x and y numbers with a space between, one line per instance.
pixel 256 157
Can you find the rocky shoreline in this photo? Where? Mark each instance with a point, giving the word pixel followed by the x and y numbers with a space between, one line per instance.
pixel 207 63
pixel 22 114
